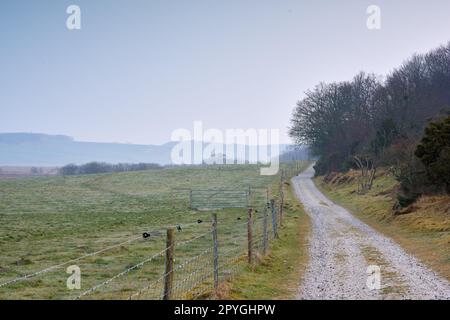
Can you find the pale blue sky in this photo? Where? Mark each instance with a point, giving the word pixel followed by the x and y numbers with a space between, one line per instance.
pixel 139 69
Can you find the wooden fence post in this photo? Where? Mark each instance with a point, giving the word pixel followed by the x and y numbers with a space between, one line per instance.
pixel 265 231
pixel 281 197
pixel 250 235
pixel 168 274
pixel 281 211
pixel 274 218
pixel 216 252
pixel 281 206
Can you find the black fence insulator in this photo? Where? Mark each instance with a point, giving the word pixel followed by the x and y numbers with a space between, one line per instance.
pixel 199 221
pixel 146 235
pixel 179 228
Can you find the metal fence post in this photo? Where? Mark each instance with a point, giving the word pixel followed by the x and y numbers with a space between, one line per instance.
pixel 274 218
pixel 265 231
pixel 168 274
pixel 250 235
pixel 216 252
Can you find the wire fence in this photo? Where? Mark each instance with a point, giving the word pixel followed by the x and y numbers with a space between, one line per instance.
pixel 186 267
pixel 218 261
pixel 145 235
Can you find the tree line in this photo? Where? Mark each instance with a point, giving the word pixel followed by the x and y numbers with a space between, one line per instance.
pixel 103 167
pixel 400 121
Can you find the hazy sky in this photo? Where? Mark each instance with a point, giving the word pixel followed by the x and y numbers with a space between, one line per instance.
pixel 137 70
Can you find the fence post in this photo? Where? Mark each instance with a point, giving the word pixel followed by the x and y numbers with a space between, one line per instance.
pixel 281 205
pixel 250 235
pixel 274 218
pixel 265 235
pixel 190 199
pixel 168 274
pixel 216 252
pixel 281 197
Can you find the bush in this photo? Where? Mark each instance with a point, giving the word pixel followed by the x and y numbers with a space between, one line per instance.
pixel 95 167
pixel 434 152
pixel 427 170
pixel 333 163
pixel 412 178
pixel 439 170
pixel 69 170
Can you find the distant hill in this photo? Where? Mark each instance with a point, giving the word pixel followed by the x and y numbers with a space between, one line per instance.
pixel 29 149
pixel 33 149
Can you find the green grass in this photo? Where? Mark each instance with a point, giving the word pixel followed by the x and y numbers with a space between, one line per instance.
pixel 46 221
pixel 276 276
pixel 424 230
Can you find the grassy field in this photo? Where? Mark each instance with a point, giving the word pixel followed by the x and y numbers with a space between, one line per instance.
pixel 277 275
pixel 47 221
pixel 423 229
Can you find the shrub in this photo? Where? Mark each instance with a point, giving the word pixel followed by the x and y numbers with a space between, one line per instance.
pixel 69 170
pixel 412 178
pixel 332 163
pixel 434 152
pixel 427 170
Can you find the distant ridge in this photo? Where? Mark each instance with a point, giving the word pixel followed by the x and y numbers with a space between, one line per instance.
pixel 36 149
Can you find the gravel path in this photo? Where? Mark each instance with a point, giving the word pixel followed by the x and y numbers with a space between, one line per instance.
pixel 342 248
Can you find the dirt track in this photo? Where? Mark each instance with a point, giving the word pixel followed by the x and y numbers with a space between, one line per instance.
pixel 341 249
